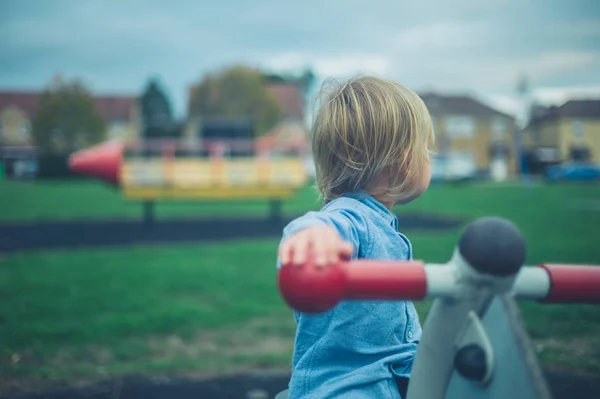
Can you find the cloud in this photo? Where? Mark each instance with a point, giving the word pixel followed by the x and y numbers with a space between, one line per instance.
pixel 542 95
pixel 496 72
pixel 552 63
pixel 554 95
pixel 445 36
pixel 463 45
pixel 332 66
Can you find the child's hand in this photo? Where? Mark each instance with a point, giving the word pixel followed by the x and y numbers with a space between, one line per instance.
pixel 324 243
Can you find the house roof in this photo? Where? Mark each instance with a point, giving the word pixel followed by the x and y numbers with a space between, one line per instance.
pixel 109 107
pixel 460 104
pixel 289 96
pixel 579 109
pixel 115 107
pixel 589 108
pixel 26 101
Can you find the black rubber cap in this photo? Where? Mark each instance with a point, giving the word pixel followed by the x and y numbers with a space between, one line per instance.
pixel 470 362
pixel 493 246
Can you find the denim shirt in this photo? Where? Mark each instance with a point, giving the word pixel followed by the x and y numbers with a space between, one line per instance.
pixel 355 349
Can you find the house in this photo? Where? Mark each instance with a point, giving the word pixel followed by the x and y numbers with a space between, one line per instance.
pixel 122 115
pixel 472 132
pixel 290 99
pixel 569 132
pixel 466 129
pixel 17 109
pixel 18 154
pixel 289 132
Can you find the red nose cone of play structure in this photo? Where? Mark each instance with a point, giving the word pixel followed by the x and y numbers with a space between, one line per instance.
pixel 311 289
pixel 101 162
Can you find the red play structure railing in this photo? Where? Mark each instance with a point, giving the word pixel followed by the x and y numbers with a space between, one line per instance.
pixel 310 288
pixel 473 340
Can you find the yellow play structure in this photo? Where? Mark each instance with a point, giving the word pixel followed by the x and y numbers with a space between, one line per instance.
pixel 225 169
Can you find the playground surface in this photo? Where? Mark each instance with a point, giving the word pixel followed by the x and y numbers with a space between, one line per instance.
pixel 93 233
pixel 256 386
pixel 206 303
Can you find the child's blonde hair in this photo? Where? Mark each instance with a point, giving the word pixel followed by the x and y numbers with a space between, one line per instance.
pixel 367 126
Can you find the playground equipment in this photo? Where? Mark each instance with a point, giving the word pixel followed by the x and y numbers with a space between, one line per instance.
pixel 219 169
pixel 473 344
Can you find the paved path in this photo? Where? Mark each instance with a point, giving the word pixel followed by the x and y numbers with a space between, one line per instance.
pixel 72 234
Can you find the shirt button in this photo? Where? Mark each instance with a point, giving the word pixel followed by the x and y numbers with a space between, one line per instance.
pixel 410 335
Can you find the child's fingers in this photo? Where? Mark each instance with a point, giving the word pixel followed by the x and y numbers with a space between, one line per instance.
pixel 339 248
pixel 290 246
pixel 284 252
pixel 299 249
pixel 329 247
pixel 320 244
pixel 325 244
pixel 346 249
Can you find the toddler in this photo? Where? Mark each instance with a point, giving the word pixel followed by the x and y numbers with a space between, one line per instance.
pixel 371 140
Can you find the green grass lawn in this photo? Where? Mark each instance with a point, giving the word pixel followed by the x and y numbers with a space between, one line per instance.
pixel 196 308
pixel 70 200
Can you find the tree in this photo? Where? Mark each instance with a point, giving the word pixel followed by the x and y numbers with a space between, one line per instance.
pixel 158 121
pixel 66 119
pixel 236 92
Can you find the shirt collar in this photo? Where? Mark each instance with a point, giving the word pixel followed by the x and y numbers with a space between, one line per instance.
pixel 367 199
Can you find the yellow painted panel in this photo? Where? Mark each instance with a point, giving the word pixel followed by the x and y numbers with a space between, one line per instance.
pixel 244 172
pixel 189 173
pixel 150 193
pixel 142 173
pixel 251 172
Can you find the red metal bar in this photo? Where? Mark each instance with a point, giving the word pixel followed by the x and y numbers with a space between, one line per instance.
pixel 369 279
pixel 310 288
pixel 573 283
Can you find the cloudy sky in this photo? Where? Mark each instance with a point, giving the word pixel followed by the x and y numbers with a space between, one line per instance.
pixel 453 46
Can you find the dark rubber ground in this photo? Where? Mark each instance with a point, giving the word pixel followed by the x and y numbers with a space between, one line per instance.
pixel 72 234
pixel 257 386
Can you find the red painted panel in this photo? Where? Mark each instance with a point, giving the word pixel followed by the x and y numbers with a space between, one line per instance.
pixel 102 162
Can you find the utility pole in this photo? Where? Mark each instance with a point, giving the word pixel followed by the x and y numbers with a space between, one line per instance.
pixel 522 120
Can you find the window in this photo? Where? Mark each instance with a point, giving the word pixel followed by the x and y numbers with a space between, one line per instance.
pixel 547 154
pixel 460 126
pixel 462 155
pixel 580 153
pixel 24 133
pixel 578 129
pixel 443 145
pixel 460 163
pixel 499 150
pixel 117 130
pixel 499 127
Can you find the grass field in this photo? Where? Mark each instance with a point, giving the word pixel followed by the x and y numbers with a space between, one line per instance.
pixel 87 314
pixel 36 201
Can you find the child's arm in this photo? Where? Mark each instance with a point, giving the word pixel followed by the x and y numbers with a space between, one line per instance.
pixel 324 243
pixel 327 236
